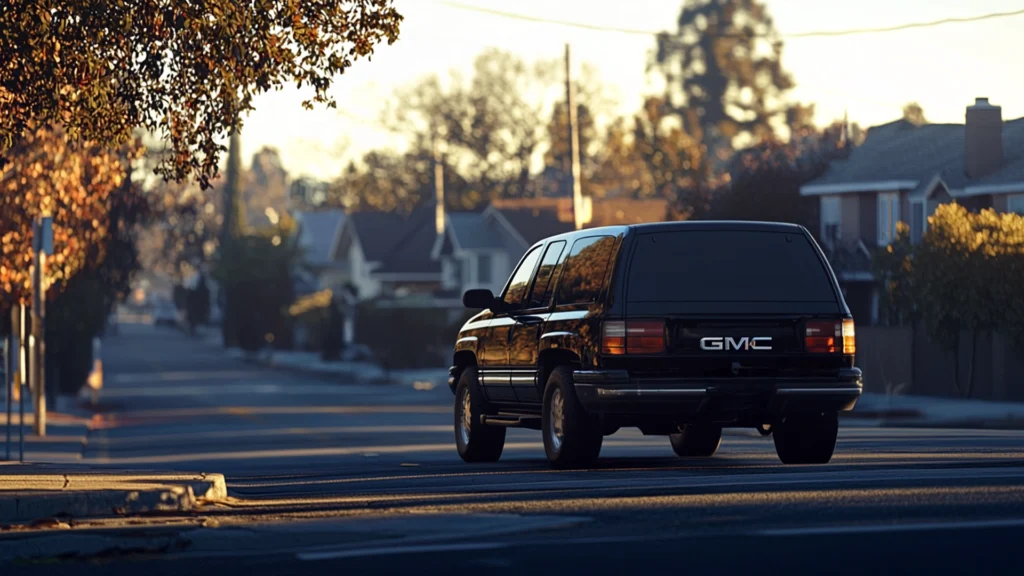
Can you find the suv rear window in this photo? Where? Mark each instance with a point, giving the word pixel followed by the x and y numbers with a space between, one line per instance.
pixel 585 269
pixel 727 266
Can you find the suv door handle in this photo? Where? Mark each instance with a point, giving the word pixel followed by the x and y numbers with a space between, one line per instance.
pixel 529 320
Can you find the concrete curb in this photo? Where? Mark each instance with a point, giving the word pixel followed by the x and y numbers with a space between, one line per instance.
pixel 30 493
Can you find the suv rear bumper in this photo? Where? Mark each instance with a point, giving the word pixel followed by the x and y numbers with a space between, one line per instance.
pixel 719 399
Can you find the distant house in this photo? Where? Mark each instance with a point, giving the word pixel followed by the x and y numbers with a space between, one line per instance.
pixel 480 249
pixel 388 254
pixel 316 235
pixel 902 172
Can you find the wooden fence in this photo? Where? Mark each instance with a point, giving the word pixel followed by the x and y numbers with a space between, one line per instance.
pixel 904 360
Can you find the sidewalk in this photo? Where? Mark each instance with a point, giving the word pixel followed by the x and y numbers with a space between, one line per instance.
pixel 345 371
pixel 35 492
pixel 66 436
pixel 930 412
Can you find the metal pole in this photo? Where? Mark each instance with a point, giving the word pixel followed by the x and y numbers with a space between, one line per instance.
pixel 574 142
pixel 438 188
pixel 39 336
pixel 22 369
pixel 8 386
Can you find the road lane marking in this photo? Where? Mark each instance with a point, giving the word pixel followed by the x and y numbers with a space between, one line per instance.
pixel 881 528
pixel 453 547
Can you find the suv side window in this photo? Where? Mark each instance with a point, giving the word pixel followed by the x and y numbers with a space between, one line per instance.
pixel 585 268
pixel 521 279
pixel 540 295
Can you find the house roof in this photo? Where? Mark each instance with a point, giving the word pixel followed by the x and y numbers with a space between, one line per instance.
pixel 472 231
pixel 900 152
pixel 377 232
pixel 317 233
pixel 409 253
pixel 535 224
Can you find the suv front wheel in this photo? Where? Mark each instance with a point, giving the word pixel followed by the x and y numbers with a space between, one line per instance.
pixel 572 438
pixel 476 441
pixel 806 438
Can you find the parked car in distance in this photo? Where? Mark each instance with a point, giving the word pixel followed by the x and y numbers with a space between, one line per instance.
pixel 676 328
pixel 164 313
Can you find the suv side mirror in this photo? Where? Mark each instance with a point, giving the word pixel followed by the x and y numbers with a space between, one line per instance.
pixel 478 298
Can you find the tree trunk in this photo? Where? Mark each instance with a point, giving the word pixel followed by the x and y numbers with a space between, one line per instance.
pixel 970 368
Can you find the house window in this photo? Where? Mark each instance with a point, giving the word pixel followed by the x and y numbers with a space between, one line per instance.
pixel 1015 203
pixel 830 220
pixel 484 269
pixel 888 216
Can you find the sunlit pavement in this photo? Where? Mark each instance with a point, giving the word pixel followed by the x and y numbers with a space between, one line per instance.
pixel 365 478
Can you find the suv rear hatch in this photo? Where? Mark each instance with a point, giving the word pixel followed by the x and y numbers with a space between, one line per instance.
pixel 732 303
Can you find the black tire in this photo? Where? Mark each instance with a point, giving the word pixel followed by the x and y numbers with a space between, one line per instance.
pixel 579 444
pixel 697 440
pixel 806 438
pixel 476 441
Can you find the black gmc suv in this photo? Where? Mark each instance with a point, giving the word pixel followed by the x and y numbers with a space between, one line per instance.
pixel 676 328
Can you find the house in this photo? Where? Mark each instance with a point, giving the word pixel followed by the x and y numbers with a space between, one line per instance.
pixel 387 254
pixel 902 172
pixel 480 249
pixel 317 233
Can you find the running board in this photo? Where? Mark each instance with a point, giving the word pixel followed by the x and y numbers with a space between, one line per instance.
pixel 512 421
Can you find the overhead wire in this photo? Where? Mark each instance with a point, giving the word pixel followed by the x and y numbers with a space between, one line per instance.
pixel 808 34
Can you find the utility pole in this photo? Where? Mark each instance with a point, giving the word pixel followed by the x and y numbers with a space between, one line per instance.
pixel 574 142
pixel 438 188
pixel 234 222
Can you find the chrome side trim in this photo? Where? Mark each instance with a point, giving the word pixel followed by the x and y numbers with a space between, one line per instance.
pixel 568 315
pixel 555 335
pixel 466 339
pixel 639 392
pixel 819 391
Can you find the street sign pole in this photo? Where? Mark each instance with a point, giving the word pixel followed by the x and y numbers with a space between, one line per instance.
pixel 8 388
pixel 22 372
pixel 43 240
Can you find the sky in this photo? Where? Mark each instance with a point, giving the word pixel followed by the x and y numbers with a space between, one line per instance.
pixel 867 76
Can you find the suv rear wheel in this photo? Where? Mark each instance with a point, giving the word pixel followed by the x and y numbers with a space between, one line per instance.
pixel 806 438
pixel 697 440
pixel 572 438
pixel 476 441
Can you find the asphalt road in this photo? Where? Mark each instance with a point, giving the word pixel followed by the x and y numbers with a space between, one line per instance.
pixel 364 479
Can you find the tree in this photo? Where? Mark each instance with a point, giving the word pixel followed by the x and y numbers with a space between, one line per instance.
pixel 491 126
pixel 73 182
pixel 87 190
pixel 265 192
pixel 723 72
pixel 953 271
pixel 895 273
pixel 257 271
pixel 764 180
pixel 185 70
pixel 914 113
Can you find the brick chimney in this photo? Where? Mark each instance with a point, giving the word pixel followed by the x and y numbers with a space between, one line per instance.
pixel 983 139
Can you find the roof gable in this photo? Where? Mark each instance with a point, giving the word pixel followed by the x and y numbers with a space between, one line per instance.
pixel 318 234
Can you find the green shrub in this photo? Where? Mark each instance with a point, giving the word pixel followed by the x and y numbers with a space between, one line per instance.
pixel 256 273
pixel 406 337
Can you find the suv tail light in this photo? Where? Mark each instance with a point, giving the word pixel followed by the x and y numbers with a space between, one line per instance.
pixel 633 337
pixel 613 338
pixel 830 336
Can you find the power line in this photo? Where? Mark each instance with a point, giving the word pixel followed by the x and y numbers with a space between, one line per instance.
pixel 810 34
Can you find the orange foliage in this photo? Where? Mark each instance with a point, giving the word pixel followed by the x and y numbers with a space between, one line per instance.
pixel 70 181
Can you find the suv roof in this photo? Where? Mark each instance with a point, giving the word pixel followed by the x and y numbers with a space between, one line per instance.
pixel 647 228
